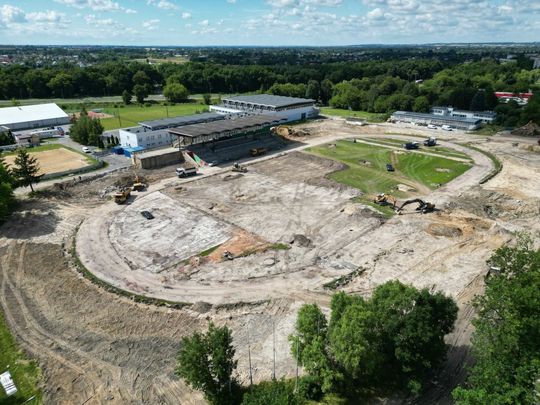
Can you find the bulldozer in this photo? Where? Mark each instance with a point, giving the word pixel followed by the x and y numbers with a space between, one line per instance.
pixel 138 185
pixel 237 167
pixel 423 206
pixel 385 199
pixel 122 196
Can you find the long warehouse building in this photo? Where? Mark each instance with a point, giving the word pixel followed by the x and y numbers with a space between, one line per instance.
pixel 32 116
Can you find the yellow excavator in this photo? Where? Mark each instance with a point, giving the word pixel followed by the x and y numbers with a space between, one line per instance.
pixel 385 200
pixel 122 196
pixel 138 185
pixel 423 206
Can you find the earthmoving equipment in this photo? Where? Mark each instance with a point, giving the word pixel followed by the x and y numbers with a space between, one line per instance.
pixel 385 199
pixel 122 196
pixel 258 151
pixel 430 142
pixel 227 255
pixel 423 206
pixel 185 172
pixel 237 167
pixel 411 145
pixel 389 167
pixel 138 185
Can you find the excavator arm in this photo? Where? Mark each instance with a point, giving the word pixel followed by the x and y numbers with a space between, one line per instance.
pixel 423 206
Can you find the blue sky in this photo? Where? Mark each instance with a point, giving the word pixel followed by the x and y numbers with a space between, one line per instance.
pixel 267 22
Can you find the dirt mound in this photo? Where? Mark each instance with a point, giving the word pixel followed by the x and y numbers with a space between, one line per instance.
pixel 530 129
pixel 242 243
pixel 449 231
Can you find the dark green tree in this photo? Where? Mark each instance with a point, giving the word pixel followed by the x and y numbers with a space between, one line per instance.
pixel 86 130
pixel 126 97
pixel 506 341
pixel 141 92
pixel 478 102
pixel 326 91
pixel 26 169
pixel 207 98
pixel 421 104
pixel 272 393
pixel 313 90
pixel 206 362
pixel 7 183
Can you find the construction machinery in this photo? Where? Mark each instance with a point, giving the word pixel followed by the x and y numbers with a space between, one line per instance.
pixel 258 151
pixel 138 185
pixel 237 167
pixel 122 196
pixel 423 206
pixel 227 255
pixel 385 199
pixel 411 145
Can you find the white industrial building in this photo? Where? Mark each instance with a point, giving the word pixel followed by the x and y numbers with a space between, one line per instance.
pixel 290 108
pixel 468 124
pixel 32 116
pixel 487 117
pixel 141 137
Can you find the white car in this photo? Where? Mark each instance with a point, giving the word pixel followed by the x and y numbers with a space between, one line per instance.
pixel 86 149
pixel 446 128
pixel 431 126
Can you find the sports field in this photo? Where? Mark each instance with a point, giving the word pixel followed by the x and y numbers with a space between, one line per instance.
pixel 414 172
pixel 55 159
pixel 131 115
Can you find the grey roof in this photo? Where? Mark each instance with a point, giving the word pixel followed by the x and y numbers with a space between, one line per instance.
pixel 426 116
pixel 181 120
pixel 269 100
pixel 211 128
pixel 157 152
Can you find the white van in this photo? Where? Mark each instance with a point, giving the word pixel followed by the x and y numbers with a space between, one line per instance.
pixel 431 126
pixel 446 128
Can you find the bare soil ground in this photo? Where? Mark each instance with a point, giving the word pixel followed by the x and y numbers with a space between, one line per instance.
pixel 56 160
pixel 96 347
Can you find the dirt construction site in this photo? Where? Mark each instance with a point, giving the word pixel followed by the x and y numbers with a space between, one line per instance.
pixel 246 250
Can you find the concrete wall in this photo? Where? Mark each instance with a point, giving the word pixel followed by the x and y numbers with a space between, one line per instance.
pixel 38 124
pixel 157 161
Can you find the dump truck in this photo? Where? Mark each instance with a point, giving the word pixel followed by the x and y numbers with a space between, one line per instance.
pixel 185 172
pixel 258 151
pixel 122 196
pixel 385 199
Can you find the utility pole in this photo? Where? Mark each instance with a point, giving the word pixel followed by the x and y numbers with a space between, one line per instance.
pixel 274 351
pixel 119 119
pixel 249 358
pixel 297 355
pixel 167 110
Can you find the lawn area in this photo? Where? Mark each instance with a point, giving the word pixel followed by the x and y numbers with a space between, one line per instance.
pixel 370 117
pixel 367 169
pixel 439 150
pixel 25 373
pixel 131 115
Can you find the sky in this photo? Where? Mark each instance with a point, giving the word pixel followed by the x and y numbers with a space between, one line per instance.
pixel 266 22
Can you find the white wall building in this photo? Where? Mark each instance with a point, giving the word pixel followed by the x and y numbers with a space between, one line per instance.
pixel 139 136
pixel 290 108
pixel 487 117
pixel 32 116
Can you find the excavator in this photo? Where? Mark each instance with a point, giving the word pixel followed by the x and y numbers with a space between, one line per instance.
pixel 423 206
pixel 122 196
pixel 237 167
pixel 138 185
pixel 385 199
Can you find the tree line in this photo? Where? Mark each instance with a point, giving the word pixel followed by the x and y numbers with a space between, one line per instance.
pixel 388 342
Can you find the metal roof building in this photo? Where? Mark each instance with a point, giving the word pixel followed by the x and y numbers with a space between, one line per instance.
pixel 213 131
pixel 182 120
pixel 32 116
pixel 468 124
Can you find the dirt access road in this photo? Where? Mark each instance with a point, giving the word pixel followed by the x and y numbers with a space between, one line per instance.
pixel 95 347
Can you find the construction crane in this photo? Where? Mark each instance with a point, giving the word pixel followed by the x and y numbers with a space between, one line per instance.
pixel 423 206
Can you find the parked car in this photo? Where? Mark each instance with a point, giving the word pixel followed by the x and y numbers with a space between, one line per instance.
pixel 431 126
pixel 446 128
pixel 389 167
pixel 147 214
pixel 86 149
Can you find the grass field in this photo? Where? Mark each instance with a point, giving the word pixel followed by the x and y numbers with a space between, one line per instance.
pixel 367 169
pixel 25 373
pixel 370 117
pixel 438 150
pixel 131 115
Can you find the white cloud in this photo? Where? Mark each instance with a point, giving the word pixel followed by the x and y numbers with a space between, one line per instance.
pixel 48 16
pixel 151 25
pixel 231 1
pixel 96 5
pixel 163 4
pixel 204 23
pixel 11 14
pixel 186 15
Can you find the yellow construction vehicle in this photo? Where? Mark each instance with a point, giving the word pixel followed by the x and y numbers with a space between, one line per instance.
pixel 423 206
pixel 122 196
pixel 385 199
pixel 138 185
pixel 237 167
pixel 258 151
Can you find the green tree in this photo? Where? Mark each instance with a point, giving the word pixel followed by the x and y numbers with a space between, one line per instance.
pixel 421 104
pixel 141 92
pixel 206 362
pixel 326 91
pixel 531 112
pixel 207 98
pixel 313 90
pixel 25 170
pixel 126 97
pixel 62 84
pixel 7 183
pixel 86 130
pixel 175 92
pixel 478 102
pixel 506 341
pixel 272 393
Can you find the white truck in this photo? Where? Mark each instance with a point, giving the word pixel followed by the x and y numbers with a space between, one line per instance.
pixel 7 383
pixel 186 171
